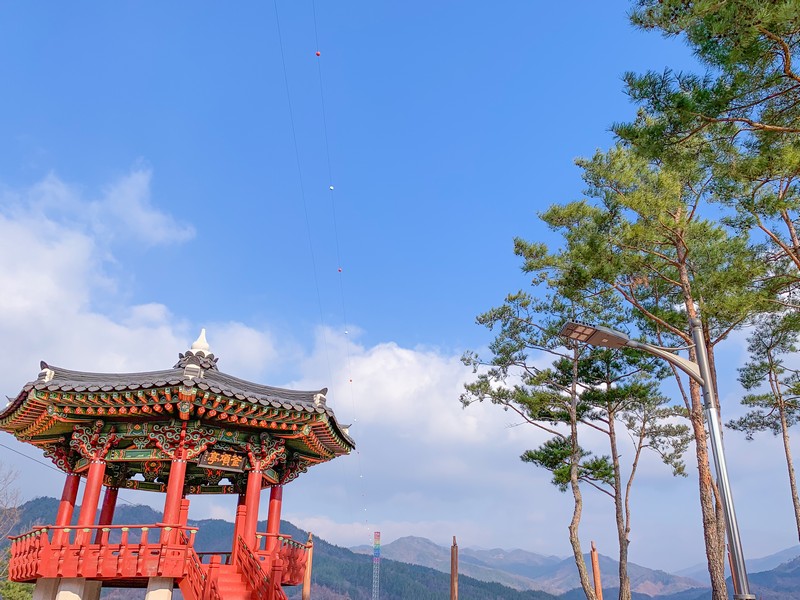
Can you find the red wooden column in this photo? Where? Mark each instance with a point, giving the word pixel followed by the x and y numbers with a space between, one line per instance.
pixel 180 451
pixel 107 511
pixel 177 476
pixel 94 445
pixel 67 506
pixel 109 506
pixel 68 497
pixel 252 500
pixel 262 456
pixel 238 526
pixel 91 495
pixel 274 515
pixel 172 504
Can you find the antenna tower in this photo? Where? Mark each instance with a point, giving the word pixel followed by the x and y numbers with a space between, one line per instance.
pixel 376 567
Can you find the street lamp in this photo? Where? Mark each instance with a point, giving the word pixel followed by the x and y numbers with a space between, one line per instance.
pixel 597 335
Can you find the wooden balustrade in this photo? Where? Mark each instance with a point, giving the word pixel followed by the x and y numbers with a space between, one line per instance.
pixel 292 554
pixel 134 552
pixel 259 582
pixel 213 591
pixel 193 585
pixel 26 550
pixel 69 552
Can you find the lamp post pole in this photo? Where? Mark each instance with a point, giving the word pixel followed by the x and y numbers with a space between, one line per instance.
pixel 711 408
pixel 700 372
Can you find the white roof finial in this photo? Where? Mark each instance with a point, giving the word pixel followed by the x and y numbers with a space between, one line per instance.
pixel 200 344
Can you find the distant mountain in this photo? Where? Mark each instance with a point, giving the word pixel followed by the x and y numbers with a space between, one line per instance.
pixel 780 583
pixel 527 570
pixel 777 583
pixel 519 562
pixel 610 593
pixel 754 565
pixel 767 563
pixel 484 565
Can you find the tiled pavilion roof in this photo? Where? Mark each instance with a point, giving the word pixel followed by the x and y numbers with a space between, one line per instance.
pixel 227 409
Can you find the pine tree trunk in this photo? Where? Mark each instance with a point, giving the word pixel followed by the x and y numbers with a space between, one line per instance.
pixel 574 539
pixel 790 466
pixel 622 525
pixel 574 523
pixel 714 539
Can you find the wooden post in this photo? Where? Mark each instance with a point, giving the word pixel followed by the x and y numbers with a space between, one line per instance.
pixel 238 524
pixel 107 511
pixel 213 573
pixel 598 586
pixel 252 501
pixel 454 570
pixel 91 496
pixel 172 503
pixel 274 515
pixel 66 507
pixel 175 481
pixel 307 576
pixel 68 497
pixel 238 528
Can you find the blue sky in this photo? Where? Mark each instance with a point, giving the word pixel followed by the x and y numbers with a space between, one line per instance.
pixel 167 167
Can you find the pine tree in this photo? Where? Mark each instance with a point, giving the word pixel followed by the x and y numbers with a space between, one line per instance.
pixel 777 408
pixel 644 235
pixel 585 387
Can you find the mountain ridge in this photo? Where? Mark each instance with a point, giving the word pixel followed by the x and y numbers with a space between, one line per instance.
pixel 525 570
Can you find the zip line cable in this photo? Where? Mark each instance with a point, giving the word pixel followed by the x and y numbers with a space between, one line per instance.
pixel 302 186
pixel 331 189
pixel 44 464
pixel 331 192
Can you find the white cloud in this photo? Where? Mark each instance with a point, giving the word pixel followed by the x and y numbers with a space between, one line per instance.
pixel 125 206
pixel 52 263
pixel 248 349
pixel 414 390
pixel 40 266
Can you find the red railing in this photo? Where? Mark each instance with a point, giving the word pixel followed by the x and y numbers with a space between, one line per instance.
pixel 213 591
pixel 293 556
pixel 193 585
pixel 131 552
pixel 201 581
pixel 69 552
pixel 261 585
